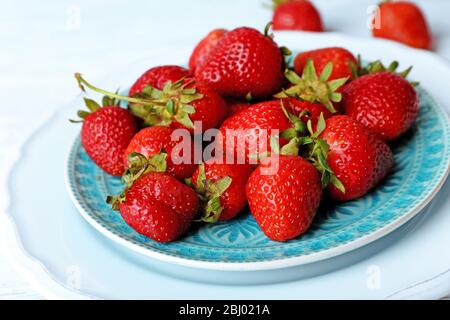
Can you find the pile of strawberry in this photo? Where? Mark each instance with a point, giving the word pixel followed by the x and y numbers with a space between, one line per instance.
pixel 333 120
pixel 398 20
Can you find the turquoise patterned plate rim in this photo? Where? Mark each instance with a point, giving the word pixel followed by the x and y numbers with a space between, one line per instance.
pixel 422 165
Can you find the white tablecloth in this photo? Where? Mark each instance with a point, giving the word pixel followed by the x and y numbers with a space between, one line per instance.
pixel 42 43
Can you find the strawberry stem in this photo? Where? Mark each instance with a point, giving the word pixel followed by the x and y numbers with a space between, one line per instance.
pixel 82 82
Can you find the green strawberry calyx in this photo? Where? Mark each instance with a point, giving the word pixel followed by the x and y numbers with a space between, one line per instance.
pixel 209 193
pixel 162 107
pixel 298 128
pixel 292 148
pixel 93 106
pixel 316 151
pixel 138 165
pixel 292 134
pixel 312 88
pixel 377 66
pixel 158 107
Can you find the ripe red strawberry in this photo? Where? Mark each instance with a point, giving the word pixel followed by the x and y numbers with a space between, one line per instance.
pixel 152 140
pixel 296 15
pixel 162 216
pixel 356 156
pixel 248 132
pixel 244 62
pixel 384 102
pixel 404 22
pixel 106 133
pixel 157 78
pixel 204 48
pixel 284 202
pixel 344 62
pixel 178 105
pixel 221 186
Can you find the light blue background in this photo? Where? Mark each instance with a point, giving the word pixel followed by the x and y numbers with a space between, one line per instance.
pixel 41 43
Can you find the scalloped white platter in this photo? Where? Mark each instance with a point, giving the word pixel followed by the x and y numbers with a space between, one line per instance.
pixel 65 257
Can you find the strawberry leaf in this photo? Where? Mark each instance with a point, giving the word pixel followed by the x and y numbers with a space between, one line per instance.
pixel 91 104
pixel 274 144
pixel 292 148
pixel 219 187
pixel 326 72
pixel 321 124
pixel 337 183
pixel 213 210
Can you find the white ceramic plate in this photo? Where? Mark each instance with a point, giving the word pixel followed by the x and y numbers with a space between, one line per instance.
pixel 422 162
pixel 49 250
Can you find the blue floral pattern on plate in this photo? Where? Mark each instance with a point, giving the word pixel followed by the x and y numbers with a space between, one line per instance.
pixel 422 162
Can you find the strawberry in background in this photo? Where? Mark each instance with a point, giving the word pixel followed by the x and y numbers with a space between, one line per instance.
pixel 296 15
pixel 204 48
pixel 402 21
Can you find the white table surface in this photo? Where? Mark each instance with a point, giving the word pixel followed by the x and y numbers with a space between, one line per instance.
pixel 42 43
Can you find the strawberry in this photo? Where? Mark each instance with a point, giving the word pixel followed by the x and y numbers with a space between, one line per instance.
pixel 204 48
pixel 384 102
pixel 284 202
pixel 157 78
pixel 161 216
pixel 178 105
pixel 296 15
pixel 152 140
pixel 244 63
pixel 248 132
pixel 222 188
pixel 344 62
pixel 105 134
pixel 351 158
pixel 404 22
